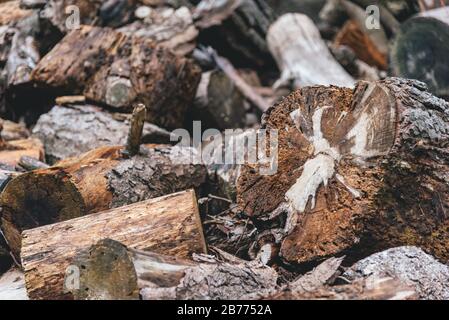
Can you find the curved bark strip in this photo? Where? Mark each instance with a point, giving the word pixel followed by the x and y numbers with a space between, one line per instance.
pixel 169 225
pixel 301 54
pixel 68 131
pixel 358 171
pixel 111 270
pixel 420 49
pixel 119 70
pixel 98 180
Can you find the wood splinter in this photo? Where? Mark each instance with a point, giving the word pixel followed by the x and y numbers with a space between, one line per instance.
pixel 135 130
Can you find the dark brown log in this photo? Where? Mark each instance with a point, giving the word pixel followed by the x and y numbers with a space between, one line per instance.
pixel 98 180
pixel 113 271
pixel 347 161
pixel 118 70
pixel 238 28
pixel 173 29
pixel 135 130
pixel 352 35
pixel 301 54
pixel 420 50
pixel 218 103
pixel 68 131
pixel 169 225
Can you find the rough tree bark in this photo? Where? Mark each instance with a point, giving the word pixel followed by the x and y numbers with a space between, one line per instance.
pixel 117 70
pixel 68 131
pixel 169 225
pixel 98 180
pixel 420 50
pixel 109 269
pixel 347 161
pixel 301 54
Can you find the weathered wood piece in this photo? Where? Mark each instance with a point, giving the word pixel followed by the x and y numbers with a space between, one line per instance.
pixel 119 70
pixel 13 131
pixel 113 271
pixel 420 49
pixel 301 54
pixel 98 180
pixel 353 36
pixel 411 265
pixel 347 160
pixel 169 225
pixel 68 131
pixel 12 286
pixel 12 151
pixel 134 138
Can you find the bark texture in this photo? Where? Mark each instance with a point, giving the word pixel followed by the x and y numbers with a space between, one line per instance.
pixel 347 160
pixel 68 131
pixel 411 265
pixel 98 180
pixel 118 70
pixel 119 273
pixel 169 225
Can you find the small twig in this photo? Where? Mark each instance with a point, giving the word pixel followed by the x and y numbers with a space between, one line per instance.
pixel 135 130
pixel 219 198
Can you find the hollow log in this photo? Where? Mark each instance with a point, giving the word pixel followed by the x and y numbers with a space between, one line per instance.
pixel 301 54
pixel 117 70
pixel 169 225
pixel 109 269
pixel 420 49
pixel 68 131
pixel 347 160
pixel 98 180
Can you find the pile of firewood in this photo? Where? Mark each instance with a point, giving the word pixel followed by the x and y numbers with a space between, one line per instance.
pixel 100 199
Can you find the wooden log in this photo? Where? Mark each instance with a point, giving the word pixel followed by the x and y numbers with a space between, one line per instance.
pixel 12 151
pixel 98 180
pixel 10 12
pixel 310 8
pixel 173 29
pixel 301 54
pixel 347 160
pixel 420 49
pixel 13 131
pixel 68 131
pixel 109 269
pixel 218 103
pixel 135 130
pixel 119 70
pixel 30 164
pixel 236 27
pixel 169 225
pixel 352 35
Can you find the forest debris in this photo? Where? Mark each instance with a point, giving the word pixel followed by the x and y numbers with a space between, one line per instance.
pixel 98 180
pixel 301 54
pixel 411 265
pixel 169 225
pixel 134 138
pixel 347 160
pixel 162 277
pixel 12 286
pixel 71 131
pixel 30 164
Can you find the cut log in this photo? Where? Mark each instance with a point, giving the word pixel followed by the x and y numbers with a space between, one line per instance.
pixel 109 269
pixel 99 180
pixel 301 54
pixel 420 50
pixel 68 131
pixel 218 103
pixel 238 28
pixel 12 286
pixel 411 265
pixel 169 225
pixel 119 70
pixel 347 160
pixel 173 29
pixel 352 35
pixel 13 131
